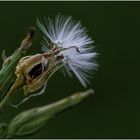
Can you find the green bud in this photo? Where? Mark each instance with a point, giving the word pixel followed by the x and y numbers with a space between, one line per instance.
pixel 30 121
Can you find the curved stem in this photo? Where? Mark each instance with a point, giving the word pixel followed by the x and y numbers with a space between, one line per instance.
pixel 6 98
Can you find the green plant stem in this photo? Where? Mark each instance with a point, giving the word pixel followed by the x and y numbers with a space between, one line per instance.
pixel 5 100
pixel 8 70
pixel 7 96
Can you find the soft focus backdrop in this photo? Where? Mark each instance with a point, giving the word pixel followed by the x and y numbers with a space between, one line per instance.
pixel 114 111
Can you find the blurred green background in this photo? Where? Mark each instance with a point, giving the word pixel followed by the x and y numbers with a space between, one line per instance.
pixel 114 111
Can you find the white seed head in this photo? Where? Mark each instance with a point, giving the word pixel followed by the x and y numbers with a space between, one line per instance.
pixel 67 32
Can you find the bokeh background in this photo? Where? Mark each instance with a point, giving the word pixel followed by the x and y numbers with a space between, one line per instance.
pixel 114 111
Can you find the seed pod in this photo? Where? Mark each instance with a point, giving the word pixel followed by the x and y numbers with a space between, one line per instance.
pixel 34 71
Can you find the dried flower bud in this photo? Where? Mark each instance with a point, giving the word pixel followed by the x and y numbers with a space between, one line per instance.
pixel 34 71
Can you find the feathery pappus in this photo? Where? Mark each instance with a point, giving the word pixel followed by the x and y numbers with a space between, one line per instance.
pixel 68 34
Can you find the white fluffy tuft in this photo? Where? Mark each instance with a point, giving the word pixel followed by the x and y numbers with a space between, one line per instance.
pixel 66 32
